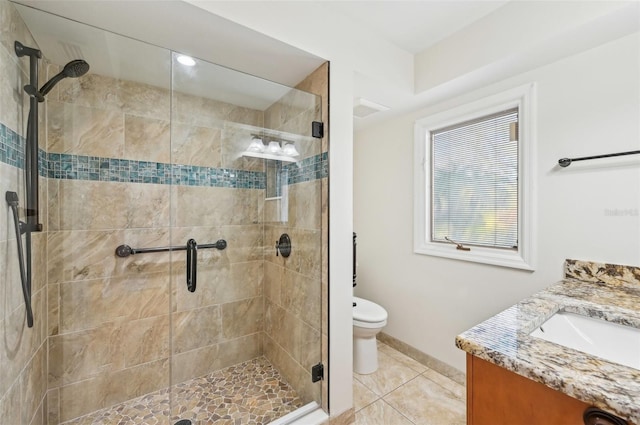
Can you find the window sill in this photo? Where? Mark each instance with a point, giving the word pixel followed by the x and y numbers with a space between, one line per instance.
pixel 495 257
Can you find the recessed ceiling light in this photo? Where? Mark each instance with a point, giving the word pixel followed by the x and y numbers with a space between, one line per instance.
pixel 186 60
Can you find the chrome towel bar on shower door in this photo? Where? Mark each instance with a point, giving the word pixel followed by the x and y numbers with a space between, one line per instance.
pixel 192 255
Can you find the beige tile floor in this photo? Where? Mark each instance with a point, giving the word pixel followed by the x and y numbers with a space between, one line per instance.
pixel 405 392
pixel 249 393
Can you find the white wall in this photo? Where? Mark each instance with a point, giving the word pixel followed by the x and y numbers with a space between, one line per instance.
pixel 312 27
pixel 587 104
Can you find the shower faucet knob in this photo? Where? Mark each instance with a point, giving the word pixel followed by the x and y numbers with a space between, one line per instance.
pixel 283 245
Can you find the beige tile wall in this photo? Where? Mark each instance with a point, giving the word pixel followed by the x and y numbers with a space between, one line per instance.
pixel 296 287
pixel 104 322
pixel 110 317
pixel 109 322
pixel 23 366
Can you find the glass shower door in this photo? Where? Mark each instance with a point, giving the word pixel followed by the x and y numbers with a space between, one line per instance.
pixel 144 157
pixel 104 144
pixel 246 318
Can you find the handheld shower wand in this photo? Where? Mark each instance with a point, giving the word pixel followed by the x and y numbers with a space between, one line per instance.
pixel 73 69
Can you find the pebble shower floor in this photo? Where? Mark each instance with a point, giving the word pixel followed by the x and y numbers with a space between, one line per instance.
pixel 249 393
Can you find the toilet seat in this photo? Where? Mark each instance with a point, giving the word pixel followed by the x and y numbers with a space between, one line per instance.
pixel 367 314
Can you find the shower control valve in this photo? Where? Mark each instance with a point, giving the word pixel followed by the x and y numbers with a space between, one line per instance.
pixel 283 245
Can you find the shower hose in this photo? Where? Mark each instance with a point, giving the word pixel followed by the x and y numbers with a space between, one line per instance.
pixel 12 200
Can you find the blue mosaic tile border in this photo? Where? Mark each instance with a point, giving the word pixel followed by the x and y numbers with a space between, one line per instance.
pixel 42 163
pixel 11 147
pixel 12 150
pixel 309 169
pixel 91 168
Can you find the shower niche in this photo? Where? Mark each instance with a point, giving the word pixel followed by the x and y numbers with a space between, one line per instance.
pixel 146 151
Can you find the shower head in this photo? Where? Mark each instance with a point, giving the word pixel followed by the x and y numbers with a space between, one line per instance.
pixel 75 68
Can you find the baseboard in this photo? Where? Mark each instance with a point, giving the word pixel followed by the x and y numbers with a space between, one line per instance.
pixel 345 418
pixel 423 358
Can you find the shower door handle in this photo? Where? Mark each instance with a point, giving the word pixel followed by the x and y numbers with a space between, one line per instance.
pixel 192 264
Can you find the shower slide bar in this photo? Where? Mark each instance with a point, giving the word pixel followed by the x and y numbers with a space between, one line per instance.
pixel 73 69
pixel 192 255
pixel 565 162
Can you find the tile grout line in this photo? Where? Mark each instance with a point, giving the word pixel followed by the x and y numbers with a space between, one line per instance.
pixel 445 388
pixel 368 404
pixel 400 385
pixel 399 412
pixel 389 393
pixel 384 397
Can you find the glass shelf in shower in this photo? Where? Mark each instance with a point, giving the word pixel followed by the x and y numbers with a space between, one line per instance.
pixel 282 158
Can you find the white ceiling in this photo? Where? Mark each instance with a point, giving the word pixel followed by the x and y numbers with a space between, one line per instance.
pixel 414 25
pixel 124 58
pixel 74 29
pixel 407 54
pixel 409 25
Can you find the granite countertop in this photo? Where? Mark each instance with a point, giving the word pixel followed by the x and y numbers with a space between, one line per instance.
pixel 605 291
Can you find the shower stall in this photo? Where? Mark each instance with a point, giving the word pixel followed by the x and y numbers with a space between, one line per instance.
pixel 180 275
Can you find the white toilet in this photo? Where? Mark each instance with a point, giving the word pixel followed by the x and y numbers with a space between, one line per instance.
pixel 368 319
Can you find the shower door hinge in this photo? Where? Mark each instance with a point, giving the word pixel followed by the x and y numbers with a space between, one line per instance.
pixel 317 129
pixel 317 372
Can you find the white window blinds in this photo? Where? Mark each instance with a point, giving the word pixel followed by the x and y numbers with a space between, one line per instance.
pixel 475 181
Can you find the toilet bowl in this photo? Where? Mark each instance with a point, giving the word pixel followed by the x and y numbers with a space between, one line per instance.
pixel 368 319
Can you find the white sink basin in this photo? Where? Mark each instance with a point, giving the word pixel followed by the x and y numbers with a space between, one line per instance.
pixel 610 341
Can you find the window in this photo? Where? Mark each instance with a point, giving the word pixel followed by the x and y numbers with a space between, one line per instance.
pixel 473 181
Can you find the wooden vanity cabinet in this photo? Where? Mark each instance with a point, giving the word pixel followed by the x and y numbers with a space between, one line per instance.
pixel 497 396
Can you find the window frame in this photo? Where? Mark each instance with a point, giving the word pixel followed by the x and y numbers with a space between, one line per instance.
pixel 524 257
